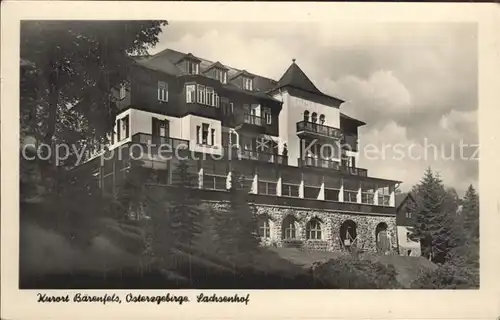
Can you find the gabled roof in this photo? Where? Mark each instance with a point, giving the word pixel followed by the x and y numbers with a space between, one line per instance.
pixel 217 65
pixel 189 56
pixel 358 122
pixel 296 78
pixel 243 73
pixel 401 198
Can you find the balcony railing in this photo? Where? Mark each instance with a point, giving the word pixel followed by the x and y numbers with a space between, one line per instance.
pixel 237 153
pixel 319 129
pixel 253 119
pixel 166 143
pixel 354 171
pixel 318 162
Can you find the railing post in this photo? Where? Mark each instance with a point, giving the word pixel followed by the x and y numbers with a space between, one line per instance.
pixel 358 195
pixel 341 191
pixel 200 178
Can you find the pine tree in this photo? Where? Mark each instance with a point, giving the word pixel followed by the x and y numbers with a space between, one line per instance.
pixel 431 210
pixel 184 206
pixel 470 212
pixel 236 226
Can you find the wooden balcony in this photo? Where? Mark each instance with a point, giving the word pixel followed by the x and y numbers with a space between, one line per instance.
pixel 354 171
pixel 242 154
pixel 318 163
pixel 315 130
pixel 251 124
pixel 158 144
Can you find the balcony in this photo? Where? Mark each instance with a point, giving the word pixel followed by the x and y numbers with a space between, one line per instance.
pixel 318 163
pixel 158 144
pixel 354 171
pixel 251 123
pixel 315 130
pixel 242 154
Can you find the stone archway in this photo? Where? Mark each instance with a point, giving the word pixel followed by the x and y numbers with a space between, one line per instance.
pixel 348 234
pixel 382 241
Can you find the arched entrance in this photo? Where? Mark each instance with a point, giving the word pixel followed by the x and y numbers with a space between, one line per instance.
pixel 348 234
pixel 382 238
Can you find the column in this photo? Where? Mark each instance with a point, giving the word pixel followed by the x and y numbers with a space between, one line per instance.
pixel 321 195
pixel 358 196
pixel 255 184
pixel 392 196
pixel 279 191
pixel 375 196
pixel 200 178
pixel 301 189
pixel 228 180
pixel 341 191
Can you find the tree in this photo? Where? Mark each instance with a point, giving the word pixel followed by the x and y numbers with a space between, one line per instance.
pixel 69 70
pixel 431 210
pixel 236 226
pixel 466 250
pixel 184 206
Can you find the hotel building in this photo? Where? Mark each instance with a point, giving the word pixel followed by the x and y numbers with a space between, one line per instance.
pixel 297 150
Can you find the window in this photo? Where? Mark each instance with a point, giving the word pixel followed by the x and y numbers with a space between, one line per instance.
pixel 288 229
pixel 216 99
pixel 162 91
pixel 264 229
pixel 313 229
pixel 267 115
pixel 193 67
pixel 383 196
pixel 306 116
pixel 191 93
pixel 314 117
pixel 118 131
pixel 247 84
pixel 201 94
pixel 212 136
pixel 210 96
pixel 408 215
pixel 221 75
pixel 227 107
pixel 267 187
pixel 290 190
pixel 123 92
pixel 408 236
pixel 125 127
pixel 204 133
pixel 322 119
pixel 198 129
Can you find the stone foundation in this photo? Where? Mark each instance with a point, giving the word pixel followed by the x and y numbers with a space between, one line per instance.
pixel 331 222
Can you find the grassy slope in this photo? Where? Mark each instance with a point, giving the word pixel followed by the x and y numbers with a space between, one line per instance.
pixel 408 268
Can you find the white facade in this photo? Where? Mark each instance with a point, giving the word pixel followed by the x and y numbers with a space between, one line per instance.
pixel 407 247
pixel 292 111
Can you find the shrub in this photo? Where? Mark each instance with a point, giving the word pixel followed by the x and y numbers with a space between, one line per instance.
pixel 447 276
pixel 348 272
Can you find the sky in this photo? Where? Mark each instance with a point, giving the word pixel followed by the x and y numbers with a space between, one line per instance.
pixel 414 84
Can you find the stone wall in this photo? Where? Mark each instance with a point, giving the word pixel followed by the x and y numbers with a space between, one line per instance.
pixel 331 222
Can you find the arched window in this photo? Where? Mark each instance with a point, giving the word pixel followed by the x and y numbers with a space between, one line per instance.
pixel 314 117
pixel 306 116
pixel 288 228
pixel 313 229
pixel 348 233
pixel 322 119
pixel 264 229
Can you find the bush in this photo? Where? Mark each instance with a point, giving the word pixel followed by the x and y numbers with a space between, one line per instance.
pixel 348 272
pixel 447 276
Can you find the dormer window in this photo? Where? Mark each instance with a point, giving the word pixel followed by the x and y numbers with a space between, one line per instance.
pixel 221 75
pixel 193 67
pixel 247 84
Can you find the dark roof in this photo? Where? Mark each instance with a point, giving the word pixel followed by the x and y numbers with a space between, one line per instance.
pixel 358 122
pixel 189 56
pixel 216 64
pixel 166 60
pixel 295 77
pixel 401 198
pixel 243 73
